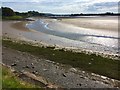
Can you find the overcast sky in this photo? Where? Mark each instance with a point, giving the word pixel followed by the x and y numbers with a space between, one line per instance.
pixel 63 6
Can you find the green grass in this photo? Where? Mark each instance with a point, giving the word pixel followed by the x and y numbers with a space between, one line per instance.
pixel 10 80
pixel 12 18
pixel 99 65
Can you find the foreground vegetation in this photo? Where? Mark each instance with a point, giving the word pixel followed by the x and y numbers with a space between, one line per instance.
pixel 9 14
pixel 10 80
pixel 90 63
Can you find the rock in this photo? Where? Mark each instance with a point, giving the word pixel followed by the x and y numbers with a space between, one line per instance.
pixel 45 69
pixel 64 75
pixel 106 82
pixel 13 71
pixel 35 72
pixel 83 71
pixel 50 86
pixel 32 64
pixel 27 66
pixel 93 79
pixel 92 59
pixel 103 77
pixel 89 63
pixel 81 77
pixel 57 67
pixel 14 64
pixel 73 70
pixel 33 67
pixel 80 84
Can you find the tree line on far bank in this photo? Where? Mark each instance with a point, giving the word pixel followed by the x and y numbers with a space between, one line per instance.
pixel 9 13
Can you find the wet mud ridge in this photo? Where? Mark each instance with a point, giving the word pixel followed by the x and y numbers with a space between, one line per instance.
pixel 48 72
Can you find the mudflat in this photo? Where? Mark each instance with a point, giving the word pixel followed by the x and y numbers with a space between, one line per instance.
pixel 103 23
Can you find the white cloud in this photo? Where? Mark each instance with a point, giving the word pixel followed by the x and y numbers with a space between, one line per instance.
pixel 67 6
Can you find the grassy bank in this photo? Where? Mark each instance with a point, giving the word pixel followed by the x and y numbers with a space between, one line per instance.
pixel 10 80
pixel 12 18
pixel 90 63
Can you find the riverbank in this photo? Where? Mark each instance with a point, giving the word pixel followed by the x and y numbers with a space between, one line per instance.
pixel 91 63
pixel 58 74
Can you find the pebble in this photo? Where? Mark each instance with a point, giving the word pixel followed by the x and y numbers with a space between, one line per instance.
pixel 83 71
pixel 14 64
pixel 27 66
pixel 89 63
pixel 103 77
pixel 80 84
pixel 81 77
pixel 73 70
pixel 45 69
pixel 64 75
pixel 32 64
pixel 93 79
pixel 35 72
pixel 33 67
pixel 92 59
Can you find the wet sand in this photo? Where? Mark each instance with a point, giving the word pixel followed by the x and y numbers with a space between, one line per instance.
pixel 102 23
pixel 15 29
pixel 20 25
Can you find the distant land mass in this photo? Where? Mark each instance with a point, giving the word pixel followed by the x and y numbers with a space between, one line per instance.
pixel 8 12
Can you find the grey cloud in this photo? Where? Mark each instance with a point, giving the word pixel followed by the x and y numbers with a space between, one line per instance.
pixel 97 7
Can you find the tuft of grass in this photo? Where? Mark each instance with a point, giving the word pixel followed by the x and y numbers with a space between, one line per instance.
pixel 90 63
pixel 9 80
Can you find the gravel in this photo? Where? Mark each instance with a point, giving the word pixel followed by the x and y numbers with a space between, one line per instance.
pixel 64 76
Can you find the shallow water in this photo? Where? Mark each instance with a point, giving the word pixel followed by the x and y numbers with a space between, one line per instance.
pixel 91 39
